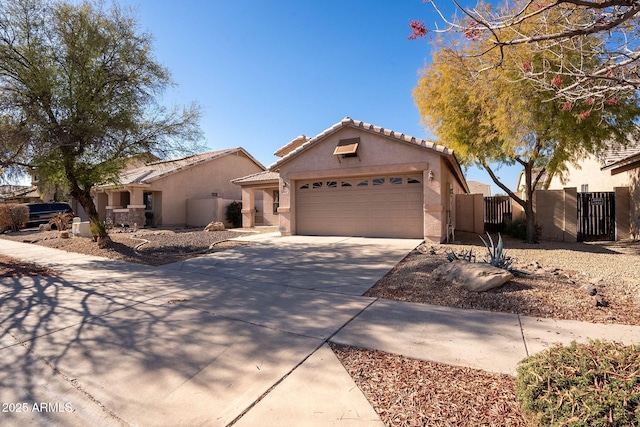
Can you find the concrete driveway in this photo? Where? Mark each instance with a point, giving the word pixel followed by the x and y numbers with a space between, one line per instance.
pixel 231 337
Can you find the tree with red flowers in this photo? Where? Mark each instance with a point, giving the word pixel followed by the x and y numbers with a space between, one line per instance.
pixel 499 117
pixel 558 27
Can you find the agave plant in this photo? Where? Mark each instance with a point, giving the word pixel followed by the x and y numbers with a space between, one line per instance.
pixel 462 256
pixel 497 256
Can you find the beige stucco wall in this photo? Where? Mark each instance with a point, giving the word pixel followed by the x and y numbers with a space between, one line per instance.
pixel 266 207
pixel 377 154
pixel 588 172
pixel 198 182
pixel 556 213
pixel 470 213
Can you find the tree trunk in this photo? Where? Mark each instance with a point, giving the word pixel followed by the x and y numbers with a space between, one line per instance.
pixel 531 222
pixel 86 201
pixel 526 202
pixel 528 206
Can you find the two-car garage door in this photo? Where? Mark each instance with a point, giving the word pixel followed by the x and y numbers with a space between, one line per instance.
pixel 374 206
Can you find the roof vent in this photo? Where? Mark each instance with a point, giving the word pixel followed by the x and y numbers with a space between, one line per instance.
pixel 347 148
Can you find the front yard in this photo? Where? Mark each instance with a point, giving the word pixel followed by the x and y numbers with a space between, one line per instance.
pixel 556 281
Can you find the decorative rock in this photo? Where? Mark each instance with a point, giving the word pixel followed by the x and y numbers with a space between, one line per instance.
pixel 598 301
pixel 475 277
pixel 64 234
pixel 589 289
pixel 214 226
pixel 44 227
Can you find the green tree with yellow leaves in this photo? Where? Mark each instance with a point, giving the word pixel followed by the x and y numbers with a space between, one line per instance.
pixel 496 117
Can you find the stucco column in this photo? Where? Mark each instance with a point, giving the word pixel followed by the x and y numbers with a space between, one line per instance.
pixel 286 219
pixel 433 206
pixel 623 213
pixel 136 196
pixel 248 207
pixel 114 198
pixel 570 229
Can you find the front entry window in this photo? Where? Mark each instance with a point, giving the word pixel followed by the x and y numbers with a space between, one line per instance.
pixel 276 201
pixel 147 197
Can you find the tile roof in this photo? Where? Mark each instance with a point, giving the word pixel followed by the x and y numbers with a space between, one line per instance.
pixel 620 155
pixel 156 170
pixel 257 177
pixel 349 122
pixel 297 142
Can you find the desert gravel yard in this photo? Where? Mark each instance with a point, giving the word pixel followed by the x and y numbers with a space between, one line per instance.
pixel 145 246
pixel 556 281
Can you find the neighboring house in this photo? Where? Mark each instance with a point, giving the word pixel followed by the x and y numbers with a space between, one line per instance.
pixel 190 191
pixel 477 187
pixel 19 194
pixel 356 179
pixel 602 172
pixel 613 171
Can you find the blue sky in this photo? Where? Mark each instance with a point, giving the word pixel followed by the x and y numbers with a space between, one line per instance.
pixel 266 72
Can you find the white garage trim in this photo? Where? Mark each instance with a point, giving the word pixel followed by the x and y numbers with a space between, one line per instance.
pixel 370 206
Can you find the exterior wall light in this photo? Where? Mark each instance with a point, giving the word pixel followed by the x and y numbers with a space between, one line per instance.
pixel 431 176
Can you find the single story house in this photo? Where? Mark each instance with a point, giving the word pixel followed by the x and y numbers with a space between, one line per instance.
pixel 189 191
pixel 357 179
pixel 477 187
pixel 19 194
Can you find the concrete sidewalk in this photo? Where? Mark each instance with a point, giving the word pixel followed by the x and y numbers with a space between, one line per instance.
pixel 237 337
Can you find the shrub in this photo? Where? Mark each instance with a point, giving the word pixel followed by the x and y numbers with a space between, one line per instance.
pixel 518 229
pixel 61 221
pixel 98 229
pixel 13 216
pixel 594 384
pixel 234 214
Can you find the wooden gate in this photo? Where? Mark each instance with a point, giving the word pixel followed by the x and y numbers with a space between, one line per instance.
pixel 596 216
pixel 497 213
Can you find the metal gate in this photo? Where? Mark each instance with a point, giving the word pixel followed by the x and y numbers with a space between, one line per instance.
pixel 497 213
pixel 596 216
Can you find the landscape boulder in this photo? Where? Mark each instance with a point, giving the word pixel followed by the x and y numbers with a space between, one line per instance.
pixel 475 277
pixel 214 226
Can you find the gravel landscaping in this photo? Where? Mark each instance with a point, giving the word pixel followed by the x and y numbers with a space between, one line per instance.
pixel 556 280
pixel 145 246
